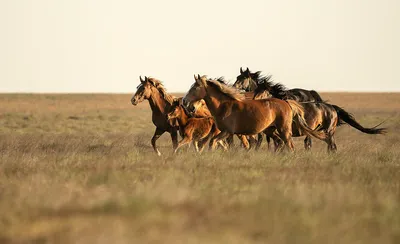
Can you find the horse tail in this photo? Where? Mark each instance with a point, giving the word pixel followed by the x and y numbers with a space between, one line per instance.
pixel 316 96
pixel 297 109
pixel 298 118
pixel 345 117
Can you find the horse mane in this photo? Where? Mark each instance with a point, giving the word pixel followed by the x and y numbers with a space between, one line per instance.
pixel 160 87
pixel 220 84
pixel 277 90
pixel 221 80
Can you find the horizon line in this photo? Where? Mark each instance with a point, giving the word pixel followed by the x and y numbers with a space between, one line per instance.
pixel 123 93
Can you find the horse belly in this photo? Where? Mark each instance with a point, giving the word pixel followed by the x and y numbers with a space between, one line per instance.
pixel 201 132
pixel 161 123
pixel 249 124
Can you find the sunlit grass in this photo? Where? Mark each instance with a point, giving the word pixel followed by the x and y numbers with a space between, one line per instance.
pixel 80 169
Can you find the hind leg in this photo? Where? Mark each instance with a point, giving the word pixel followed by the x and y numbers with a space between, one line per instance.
pixel 330 140
pixel 307 143
pixel 286 137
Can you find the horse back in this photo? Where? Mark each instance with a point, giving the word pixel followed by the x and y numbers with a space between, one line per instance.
pixel 303 95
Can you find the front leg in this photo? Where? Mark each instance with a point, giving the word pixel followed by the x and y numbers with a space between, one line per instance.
pixel 221 136
pixel 157 135
pixel 174 137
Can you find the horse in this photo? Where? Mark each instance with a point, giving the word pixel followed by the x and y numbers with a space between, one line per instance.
pixel 195 129
pixel 253 81
pixel 234 115
pixel 249 81
pixel 319 116
pixel 247 141
pixel 160 102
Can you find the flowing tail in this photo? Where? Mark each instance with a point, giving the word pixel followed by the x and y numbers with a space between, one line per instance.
pixel 345 117
pixel 316 96
pixel 298 118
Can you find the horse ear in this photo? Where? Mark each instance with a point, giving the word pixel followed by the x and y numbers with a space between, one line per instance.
pixel 141 80
pixel 145 78
pixel 241 70
pixel 247 70
pixel 198 76
pixel 194 75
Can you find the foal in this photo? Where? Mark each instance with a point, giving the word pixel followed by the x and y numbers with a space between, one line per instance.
pixel 196 130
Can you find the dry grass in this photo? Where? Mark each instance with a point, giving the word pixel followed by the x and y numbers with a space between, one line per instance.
pixel 80 169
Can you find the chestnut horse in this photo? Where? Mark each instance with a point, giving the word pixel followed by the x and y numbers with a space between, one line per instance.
pixel 195 129
pixel 234 115
pixel 160 102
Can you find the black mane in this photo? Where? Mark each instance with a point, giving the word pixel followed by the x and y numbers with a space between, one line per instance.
pixel 220 79
pixel 277 90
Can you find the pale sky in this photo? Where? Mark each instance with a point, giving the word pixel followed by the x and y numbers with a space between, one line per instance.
pixel 104 45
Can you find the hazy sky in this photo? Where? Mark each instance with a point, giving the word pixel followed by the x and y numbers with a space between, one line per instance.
pixel 103 46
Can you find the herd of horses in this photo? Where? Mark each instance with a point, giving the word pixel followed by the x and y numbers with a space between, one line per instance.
pixel 214 111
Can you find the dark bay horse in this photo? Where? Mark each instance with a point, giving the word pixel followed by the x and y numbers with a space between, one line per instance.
pixel 319 116
pixel 234 115
pixel 249 81
pixel 160 102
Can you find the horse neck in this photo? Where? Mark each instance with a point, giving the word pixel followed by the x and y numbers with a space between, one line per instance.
pixel 252 85
pixel 183 118
pixel 214 98
pixel 157 103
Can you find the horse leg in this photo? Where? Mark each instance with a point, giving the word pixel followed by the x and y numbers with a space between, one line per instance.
pixel 196 146
pixel 223 145
pixel 222 135
pixel 307 143
pixel 278 142
pixel 244 141
pixel 202 143
pixel 155 137
pixel 229 141
pixel 286 137
pixel 187 139
pixel 252 141
pixel 268 138
pixel 330 140
pixel 259 141
pixel 174 137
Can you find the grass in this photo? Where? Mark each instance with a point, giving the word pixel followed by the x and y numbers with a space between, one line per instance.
pixel 80 169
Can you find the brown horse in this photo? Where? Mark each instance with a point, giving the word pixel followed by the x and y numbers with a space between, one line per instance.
pixel 233 115
pixel 195 129
pixel 247 141
pixel 160 103
pixel 249 82
pixel 199 109
pixel 322 117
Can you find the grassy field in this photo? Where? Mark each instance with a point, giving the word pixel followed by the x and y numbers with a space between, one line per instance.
pixel 80 169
